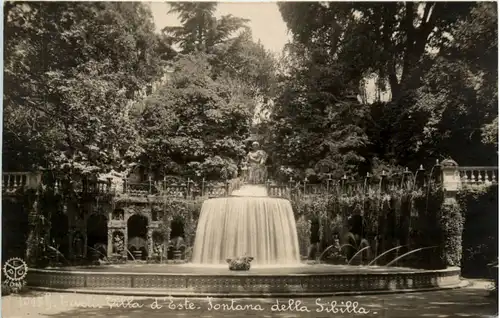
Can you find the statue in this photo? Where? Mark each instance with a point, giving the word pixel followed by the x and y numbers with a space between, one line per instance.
pixel 255 161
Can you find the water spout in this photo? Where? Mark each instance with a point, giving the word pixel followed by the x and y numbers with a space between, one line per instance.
pixel 128 251
pixel 98 252
pixel 58 253
pixel 324 252
pixel 354 256
pixel 410 252
pixel 384 253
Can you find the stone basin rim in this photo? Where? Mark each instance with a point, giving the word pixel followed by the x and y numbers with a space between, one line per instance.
pixel 337 272
pixel 203 295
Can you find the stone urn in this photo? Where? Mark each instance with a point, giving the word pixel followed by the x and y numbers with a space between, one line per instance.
pixel 239 263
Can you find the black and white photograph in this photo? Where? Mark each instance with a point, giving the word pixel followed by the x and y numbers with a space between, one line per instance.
pixel 249 159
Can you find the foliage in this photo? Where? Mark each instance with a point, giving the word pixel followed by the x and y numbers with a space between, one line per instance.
pixel 303 234
pixel 316 122
pixel 389 217
pixel 72 69
pixel 452 226
pixel 436 61
pixel 187 211
pixel 480 235
pixel 195 125
pixel 200 30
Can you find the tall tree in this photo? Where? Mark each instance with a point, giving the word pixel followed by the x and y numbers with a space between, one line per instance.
pixel 70 72
pixel 435 58
pixel 196 124
pixel 316 122
pixel 389 39
pixel 201 30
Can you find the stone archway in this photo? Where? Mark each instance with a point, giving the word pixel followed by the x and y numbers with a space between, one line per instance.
pixel 59 233
pixel 97 236
pixel 137 231
pixel 177 227
pixel 177 238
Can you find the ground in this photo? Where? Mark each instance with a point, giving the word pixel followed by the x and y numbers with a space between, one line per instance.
pixel 471 301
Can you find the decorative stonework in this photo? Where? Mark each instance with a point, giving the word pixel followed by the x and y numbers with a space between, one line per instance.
pixel 247 283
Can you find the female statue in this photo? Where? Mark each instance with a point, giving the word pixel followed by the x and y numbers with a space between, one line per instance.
pixel 256 169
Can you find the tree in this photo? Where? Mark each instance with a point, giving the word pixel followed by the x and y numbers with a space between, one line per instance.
pixel 200 30
pixel 195 125
pixel 437 59
pixel 71 69
pixel 389 39
pixel 317 121
pixel 249 62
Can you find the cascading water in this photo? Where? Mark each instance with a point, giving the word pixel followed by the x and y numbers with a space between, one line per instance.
pixel 249 223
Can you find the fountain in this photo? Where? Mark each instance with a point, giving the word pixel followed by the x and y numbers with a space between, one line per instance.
pixel 248 223
pixel 246 226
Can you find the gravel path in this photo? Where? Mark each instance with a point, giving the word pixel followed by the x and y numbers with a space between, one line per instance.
pixel 472 301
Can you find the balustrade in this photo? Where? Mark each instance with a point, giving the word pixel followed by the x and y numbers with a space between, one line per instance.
pixel 14 181
pixel 478 175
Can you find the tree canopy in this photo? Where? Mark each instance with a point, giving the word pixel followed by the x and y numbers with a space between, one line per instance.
pixel 70 72
pixel 73 74
pixel 436 59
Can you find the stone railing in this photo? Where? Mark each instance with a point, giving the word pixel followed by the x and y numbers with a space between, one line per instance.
pixel 280 191
pixel 478 175
pixel 189 189
pixel 452 175
pixel 13 182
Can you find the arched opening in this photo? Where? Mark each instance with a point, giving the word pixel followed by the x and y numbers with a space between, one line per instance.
pixel 177 237
pixel 314 238
pixel 357 239
pixel 177 227
pixel 137 228
pixel 97 236
pixel 59 234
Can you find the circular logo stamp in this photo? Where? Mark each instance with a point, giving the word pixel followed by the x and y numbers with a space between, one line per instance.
pixel 15 269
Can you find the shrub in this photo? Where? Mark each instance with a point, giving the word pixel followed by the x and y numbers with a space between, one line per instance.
pixel 452 224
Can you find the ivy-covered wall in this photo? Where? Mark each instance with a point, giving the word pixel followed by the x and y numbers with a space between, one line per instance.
pixel 480 236
pixel 386 219
pixel 451 226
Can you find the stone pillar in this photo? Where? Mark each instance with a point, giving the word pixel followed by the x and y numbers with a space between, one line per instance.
pixel 32 246
pixel 450 178
pixel 450 216
pixel 34 180
pixel 150 241
pixel 109 246
pixel 125 241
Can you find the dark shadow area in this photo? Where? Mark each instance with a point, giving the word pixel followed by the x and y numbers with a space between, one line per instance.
pixel 480 235
pixel 59 233
pixel 137 236
pixel 97 236
pixel 15 219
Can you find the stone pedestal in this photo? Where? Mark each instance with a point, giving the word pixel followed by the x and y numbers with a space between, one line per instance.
pixel 450 178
